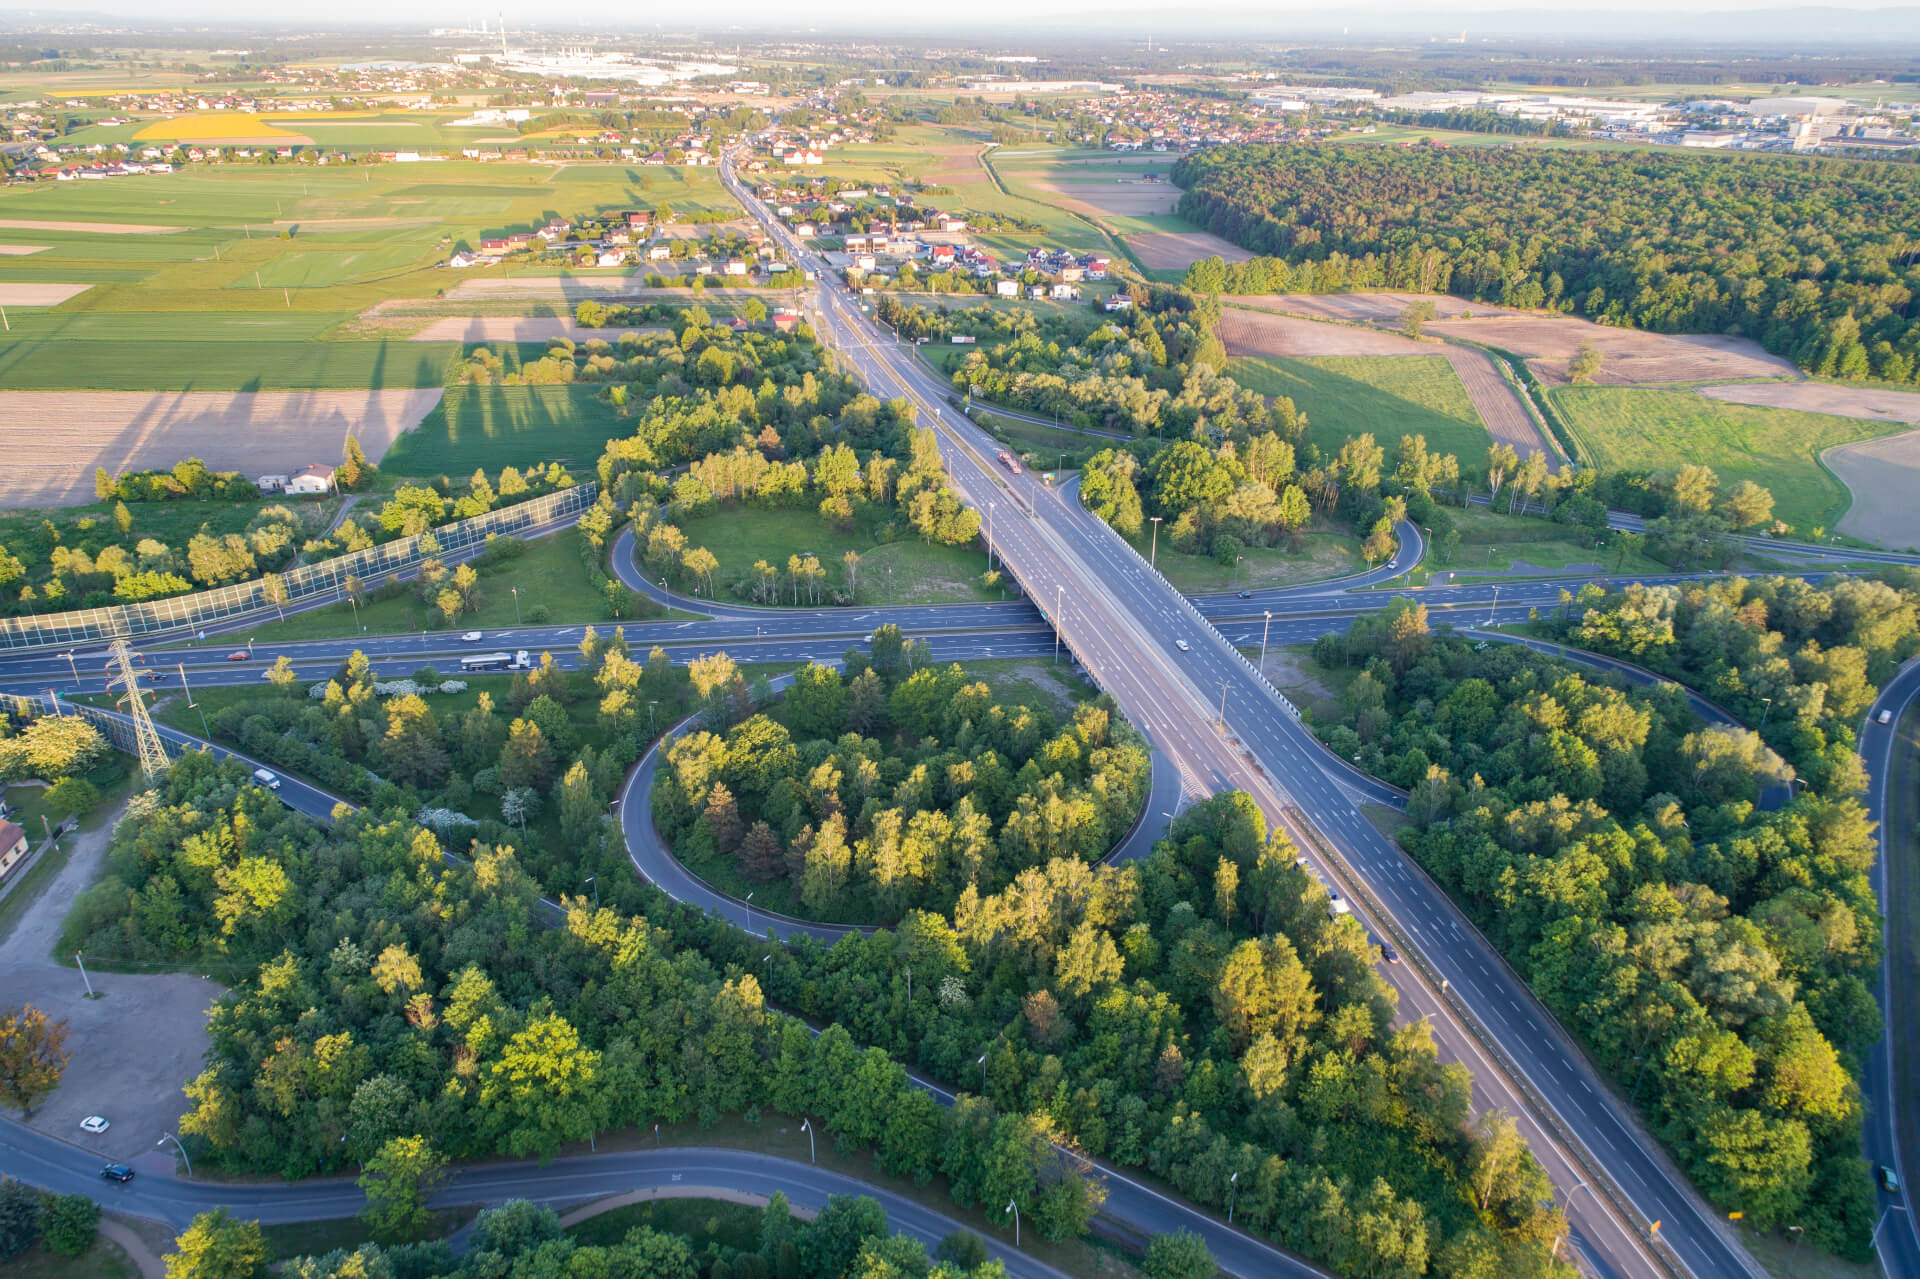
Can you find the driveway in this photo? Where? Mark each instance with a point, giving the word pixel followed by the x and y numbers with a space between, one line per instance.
pixel 132 1049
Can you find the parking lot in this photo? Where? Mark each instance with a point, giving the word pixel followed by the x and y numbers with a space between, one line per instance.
pixel 132 1049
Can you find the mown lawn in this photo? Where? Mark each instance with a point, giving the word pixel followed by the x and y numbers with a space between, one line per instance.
pixel 1640 428
pixel 1323 555
pixel 906 571
pixel 1389 395
pixel 498 426
pixel 1491 542
pixel 105 1261
pixel 550 575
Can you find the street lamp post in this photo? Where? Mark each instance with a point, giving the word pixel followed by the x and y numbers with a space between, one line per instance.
pixel 1059 596
pixel 516 604
pixel 1223 706
pixel 650 706
pixel 1496 606
pixel 749 906
pixel 1766 712
pixel 1153 553
pixel 990 535
pixel 165 1138
pixel 983 1074
pixel 1014 1208
pixel 70 666
pixel 1798 1234
pixel 806 1126
pixel 595 881
pixel 1233 1193
pixel 1263 640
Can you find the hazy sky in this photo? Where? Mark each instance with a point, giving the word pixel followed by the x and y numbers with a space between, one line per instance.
pixel 785 13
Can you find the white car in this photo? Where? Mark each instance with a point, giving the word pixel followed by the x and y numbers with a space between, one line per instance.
pixel 471 637
pixel 94 1124
pixel 1182 646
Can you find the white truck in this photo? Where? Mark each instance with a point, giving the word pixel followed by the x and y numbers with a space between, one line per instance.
pixel 266 778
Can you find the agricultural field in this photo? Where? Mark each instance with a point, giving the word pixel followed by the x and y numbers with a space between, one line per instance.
pixel 1641 428
pixel 1389 395
pixel 254 433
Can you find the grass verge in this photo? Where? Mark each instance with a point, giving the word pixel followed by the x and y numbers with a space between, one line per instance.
pixel 315 1238
pixel 906 571
pixel 1322 555
pixel 104 1261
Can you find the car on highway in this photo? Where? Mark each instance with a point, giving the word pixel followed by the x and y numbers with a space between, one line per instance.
pixel 94 1124
pixel 1183 646
pixel 238 655
pixel 1246 595
pixel 1889 1180
pixel 1389 954
pixel 1885 717
pixel 471 637
pixel 267 778
pixel 116 1172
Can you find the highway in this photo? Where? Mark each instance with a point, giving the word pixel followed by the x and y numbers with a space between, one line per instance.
pixel 680 1171
pixel 1897 1235
pixel 1179 680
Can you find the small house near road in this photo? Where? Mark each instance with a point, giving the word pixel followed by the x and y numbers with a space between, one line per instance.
pixel 13 846
pixel 311 480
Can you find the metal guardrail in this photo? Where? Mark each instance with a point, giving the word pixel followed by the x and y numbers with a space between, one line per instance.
pixel 303 583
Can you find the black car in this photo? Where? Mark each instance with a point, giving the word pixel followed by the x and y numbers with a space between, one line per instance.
pixel 1246 595
pixel 1389 954
pixel 116 1172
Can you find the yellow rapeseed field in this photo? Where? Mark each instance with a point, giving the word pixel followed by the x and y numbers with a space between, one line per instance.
pixel 206 126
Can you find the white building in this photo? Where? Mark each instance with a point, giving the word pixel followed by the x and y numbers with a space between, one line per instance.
pixel 311 480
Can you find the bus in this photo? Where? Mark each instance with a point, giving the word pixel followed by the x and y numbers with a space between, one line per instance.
pixel 496 662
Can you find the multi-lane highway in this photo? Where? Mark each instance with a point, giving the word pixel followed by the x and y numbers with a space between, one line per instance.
pixel 1184 684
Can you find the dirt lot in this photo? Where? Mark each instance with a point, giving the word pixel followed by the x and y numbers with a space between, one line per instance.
pixel 133 1050
pixel 1130 196
pixel 1883 475
pixel 1628 357
pixel 99 228
pixel 1178 250
pixel 39 294
pixel 501 328
pixel 1267 333
pixel 255 433
pixel 1871 403
pixel 1366 308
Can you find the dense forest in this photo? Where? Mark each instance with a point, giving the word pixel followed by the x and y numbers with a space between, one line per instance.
pixel 1807 257
pixel 1692 901
pixel 897 788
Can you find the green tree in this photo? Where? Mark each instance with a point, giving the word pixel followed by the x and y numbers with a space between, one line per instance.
pixel 71 1224
pixel 20 1217
pixel 1181 1255
pixel 1584 367
pixel 541 1092
pixel 283 677
pixel 218 1246
pixel 398 1181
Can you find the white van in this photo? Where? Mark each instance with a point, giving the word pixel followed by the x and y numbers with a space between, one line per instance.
pixel 266 778
pixel 1885 717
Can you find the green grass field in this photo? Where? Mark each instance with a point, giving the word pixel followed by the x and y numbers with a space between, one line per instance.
pixel 1390 395
pixel 549 575
pixel 1638 428
pixel 907 571
pixel 1491 542
pixel 496 426
pixel 105 1261
pixel 1324 555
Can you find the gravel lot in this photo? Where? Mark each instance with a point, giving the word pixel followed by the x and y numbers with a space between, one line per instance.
pixel 132 1050
pixel 256 433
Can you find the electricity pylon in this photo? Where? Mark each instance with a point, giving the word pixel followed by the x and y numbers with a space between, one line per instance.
pixel 146 738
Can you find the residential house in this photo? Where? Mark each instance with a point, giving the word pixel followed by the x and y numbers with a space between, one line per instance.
pixel 659 253
pixel 1007 288
pixel 311 480
pixel 1064 293
pixel 611 257
pixel 1118 302
pixel 271 483
pixel 736 266
pixel 13 846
